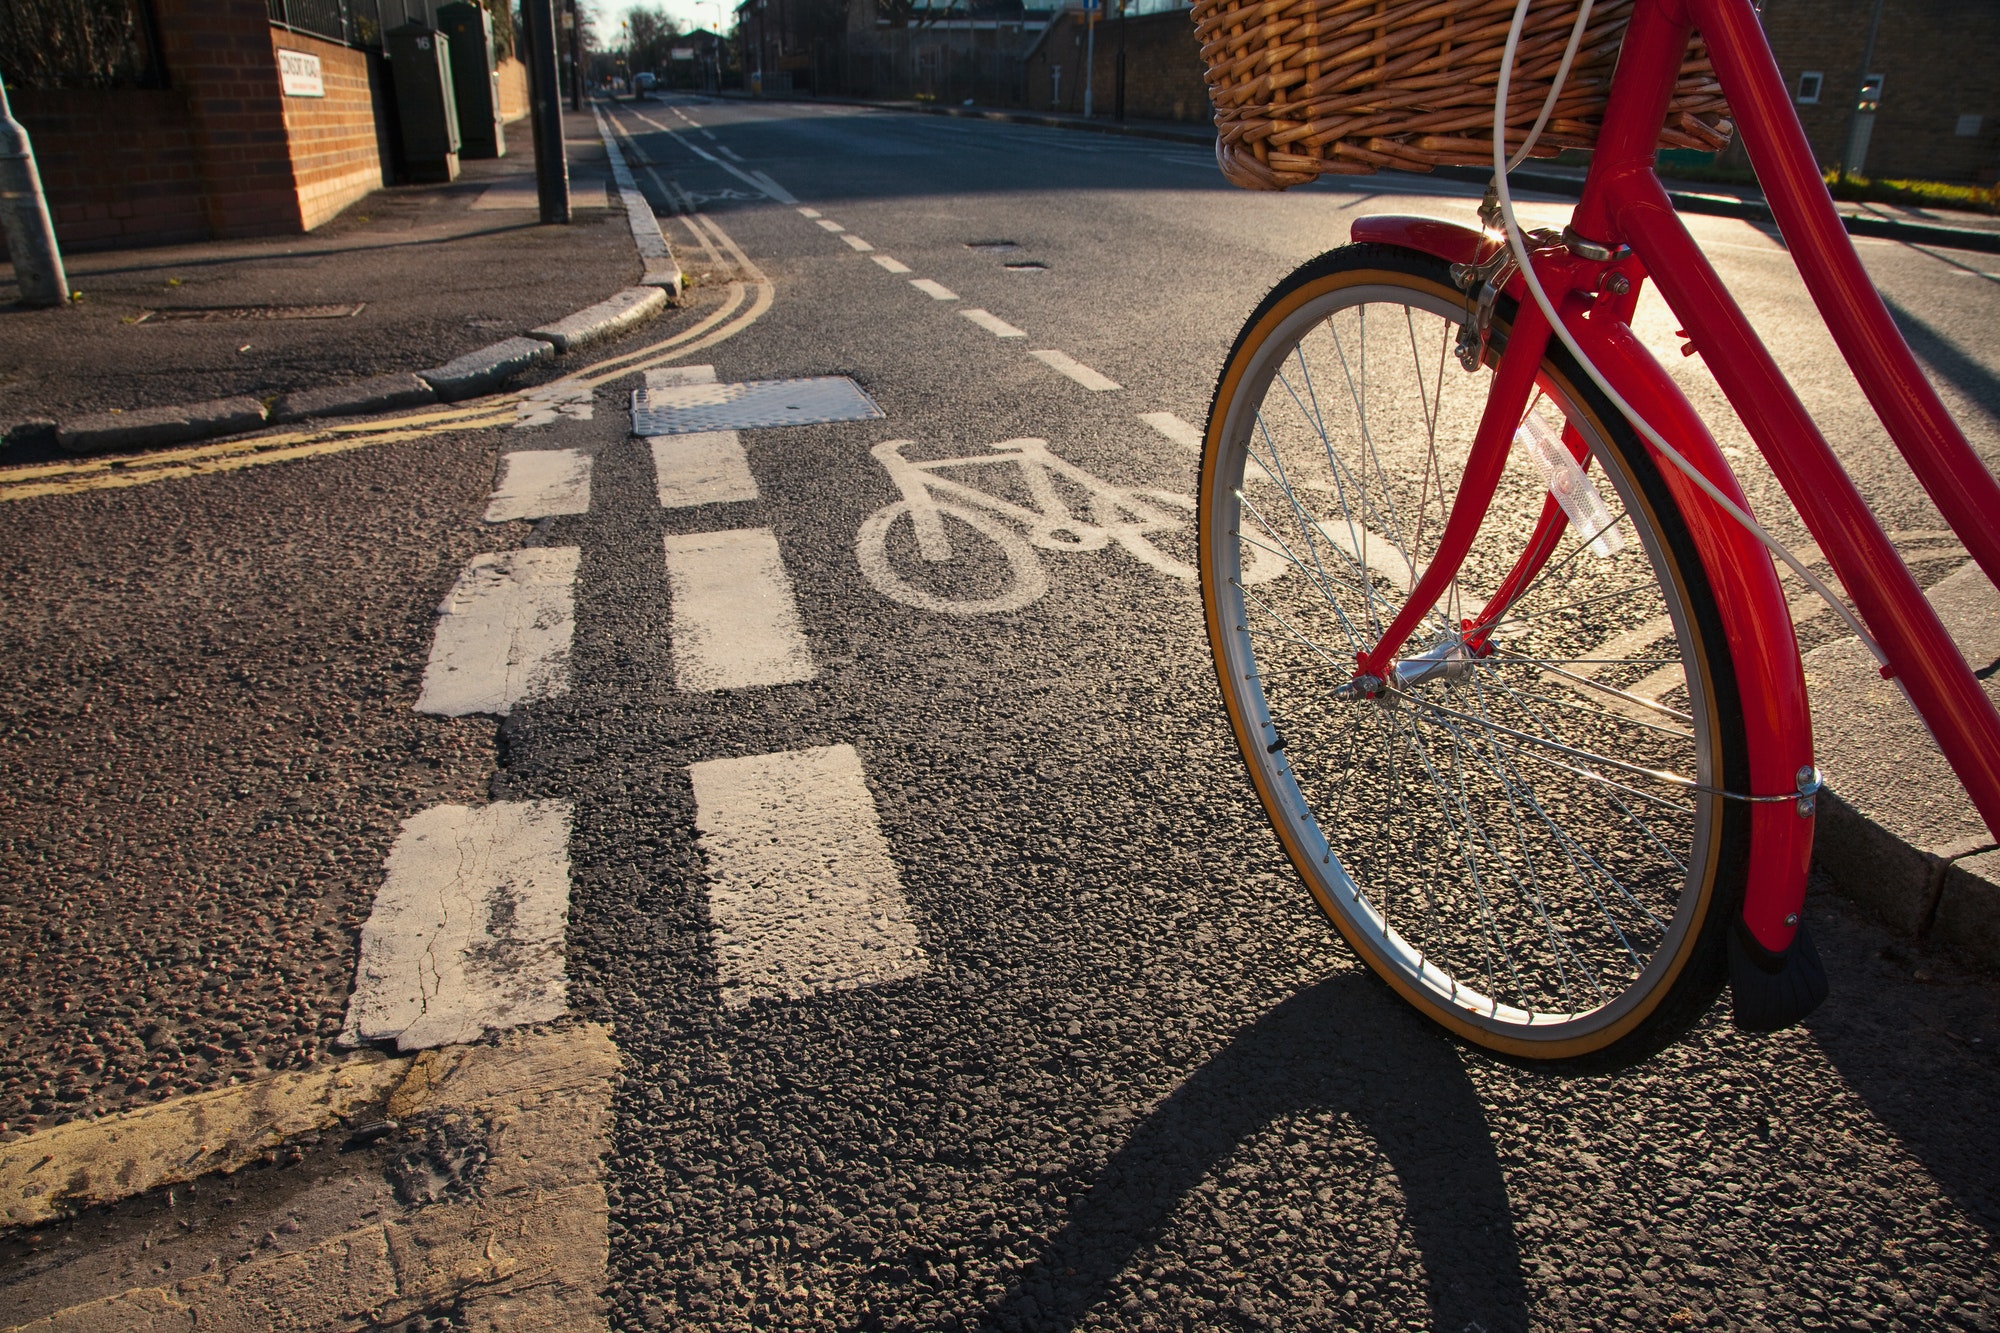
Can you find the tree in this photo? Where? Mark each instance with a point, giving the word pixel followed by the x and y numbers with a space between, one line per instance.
pixel 652 36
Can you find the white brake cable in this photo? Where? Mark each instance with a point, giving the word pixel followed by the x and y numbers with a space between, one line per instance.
pixel 1516 242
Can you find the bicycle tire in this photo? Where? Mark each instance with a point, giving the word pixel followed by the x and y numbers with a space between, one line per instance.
pixel 1026 583
pixel 1538 876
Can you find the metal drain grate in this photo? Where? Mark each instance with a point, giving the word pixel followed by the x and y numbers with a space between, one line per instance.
pixel 687 408
pixel 218 313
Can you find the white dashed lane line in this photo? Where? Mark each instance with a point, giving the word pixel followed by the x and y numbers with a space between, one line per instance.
pixel 808 212
pixel 466 934
pixel 503 633
pixel 856 243
pixel 934 289
pixel 1175 429
pixel 707 467
pixel 802 893
pixel 893 265
pixel 993 324
pixel 735 620
pixel 1066 364
pixel 828 224
pixel 541 482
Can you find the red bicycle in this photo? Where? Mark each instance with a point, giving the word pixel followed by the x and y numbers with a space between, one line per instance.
pixel 1526 709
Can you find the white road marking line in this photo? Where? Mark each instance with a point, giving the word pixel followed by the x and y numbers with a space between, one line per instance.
pixel 808 212
pixel 704 468
pixel 537 483
pixel 674 377
pixel 735 620
pixel 893 265
pixel 772 188
pixel 1175 429
pixel 503 633
pixel 1064 363
pixel 552 402
pixel 856 243
pixel 729 152
pixel 466 935
pixel 828 224
pixel 937 291
pixel 993 324
pixel 707 134
pixel 802 892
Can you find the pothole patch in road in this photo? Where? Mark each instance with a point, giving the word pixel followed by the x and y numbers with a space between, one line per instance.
pixel 1027 266
pixel 220 313
pixel 993 247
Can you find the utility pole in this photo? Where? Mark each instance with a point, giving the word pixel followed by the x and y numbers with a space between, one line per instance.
pixel 551 166
pixel 573 18
pixel 24 213
pixel 1118 98
pixel 1089 54
pixel 1860 87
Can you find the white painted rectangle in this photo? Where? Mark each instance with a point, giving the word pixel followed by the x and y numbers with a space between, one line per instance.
pixel 503 633
pixel 803 895
pixel 1068 365
pixel 856 243
pixel 808 212
pixel 466 934
pixel 1175 429
pixel 828 224
pixel 540 482
pixel 299 74
pixel 674 377
pixel 705 468
pixel 735 620
pixel 934 289
pixel 893 265
pixel 993 324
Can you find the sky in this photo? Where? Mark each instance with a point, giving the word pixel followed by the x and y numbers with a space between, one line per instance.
pixel 687 13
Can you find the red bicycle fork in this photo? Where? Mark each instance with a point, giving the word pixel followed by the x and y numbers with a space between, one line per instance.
pixel 1624 204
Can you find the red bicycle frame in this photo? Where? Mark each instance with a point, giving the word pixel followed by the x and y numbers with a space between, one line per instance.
pixel 1625 211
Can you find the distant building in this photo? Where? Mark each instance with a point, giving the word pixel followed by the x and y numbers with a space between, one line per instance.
pixel 1164 78
pixel 1936 79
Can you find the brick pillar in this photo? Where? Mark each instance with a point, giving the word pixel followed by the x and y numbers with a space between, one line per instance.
pixel 219 58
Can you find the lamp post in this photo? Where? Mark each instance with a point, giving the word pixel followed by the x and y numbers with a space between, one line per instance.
pixel 1855 103
pixel 24 213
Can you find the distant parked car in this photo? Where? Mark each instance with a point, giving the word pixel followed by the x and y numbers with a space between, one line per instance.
pixel 642 82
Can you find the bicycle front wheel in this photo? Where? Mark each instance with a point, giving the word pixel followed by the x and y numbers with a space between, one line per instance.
pixel 1522 831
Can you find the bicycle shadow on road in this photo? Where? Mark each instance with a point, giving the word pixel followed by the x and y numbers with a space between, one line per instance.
pixel 1349 1046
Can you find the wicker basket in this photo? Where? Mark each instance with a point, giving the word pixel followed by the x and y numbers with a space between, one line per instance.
pixel 1306 87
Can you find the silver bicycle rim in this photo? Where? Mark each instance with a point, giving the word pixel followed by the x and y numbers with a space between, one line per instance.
pixel 1493 834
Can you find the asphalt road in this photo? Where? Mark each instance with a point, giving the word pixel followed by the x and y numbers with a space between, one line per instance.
pixel 1134 1081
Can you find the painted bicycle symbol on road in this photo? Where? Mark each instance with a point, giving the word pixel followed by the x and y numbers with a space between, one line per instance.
pixel 947 520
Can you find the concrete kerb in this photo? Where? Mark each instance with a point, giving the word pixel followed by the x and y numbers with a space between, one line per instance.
pixel 483 370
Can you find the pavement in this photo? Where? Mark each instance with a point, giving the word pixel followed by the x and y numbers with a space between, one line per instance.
pixel 408 279
pixel 741 935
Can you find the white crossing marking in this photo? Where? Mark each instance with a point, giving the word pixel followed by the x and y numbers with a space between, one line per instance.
pixel 802 892
pixel 541 482
pixel 808 212
pixel 993 324
pixel 828 224
pixel 772 188
pixel 893 265
pixel 704 468
pixel 1068 365
pixel 503 633
pixel 735 621
pixel 466 935
pixel 856 243
pixel 674 377
pixel 553 402
pixel 937 291
pixel 1175 429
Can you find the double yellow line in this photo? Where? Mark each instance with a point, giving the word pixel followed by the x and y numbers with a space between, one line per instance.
pixel 744 303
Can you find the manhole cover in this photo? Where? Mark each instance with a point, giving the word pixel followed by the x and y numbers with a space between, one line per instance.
pixel 217 313
pixel 1028 266
pixel 993 247
pixel 753 404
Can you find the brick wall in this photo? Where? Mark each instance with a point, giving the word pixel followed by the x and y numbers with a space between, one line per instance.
pixel 513 90
pixel 1940 61
pixel 334 155
pixel 218 54
pixel 1164 79
pixel 118 165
